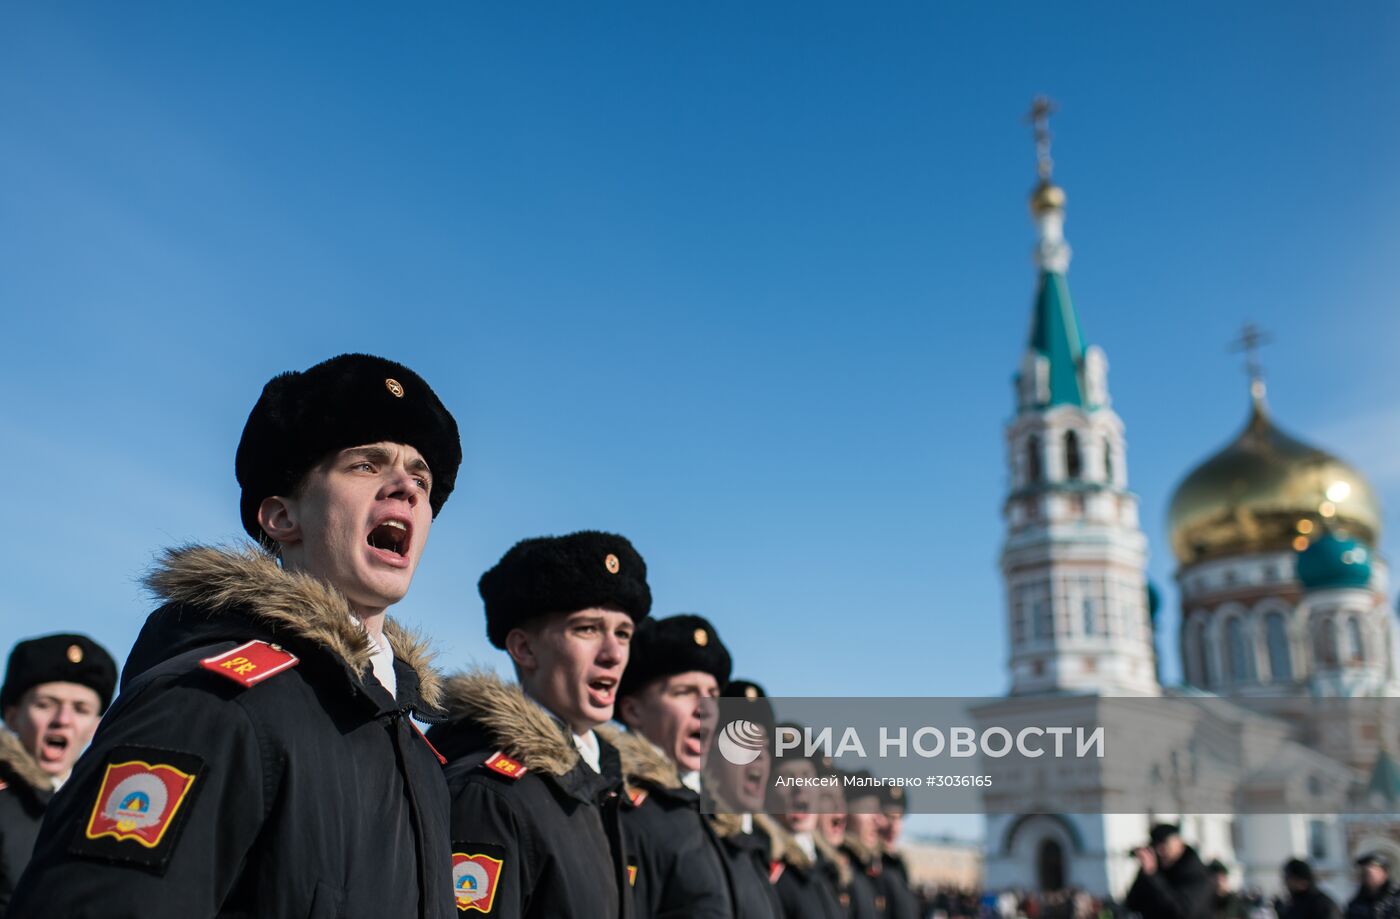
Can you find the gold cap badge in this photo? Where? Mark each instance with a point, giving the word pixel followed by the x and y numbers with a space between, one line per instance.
pixel 612 564
pixel 75 654
pixel 702 638
pixel 750 692
pixel 395 387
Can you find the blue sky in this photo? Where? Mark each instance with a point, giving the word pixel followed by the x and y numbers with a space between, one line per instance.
pixel 745 282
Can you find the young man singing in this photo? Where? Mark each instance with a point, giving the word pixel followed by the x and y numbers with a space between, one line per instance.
pixel 535 791
pixel 260 759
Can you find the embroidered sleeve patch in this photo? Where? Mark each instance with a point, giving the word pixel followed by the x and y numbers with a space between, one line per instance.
pixel 499 762
pixel 476 874
pixel 142 806
pixel 251 662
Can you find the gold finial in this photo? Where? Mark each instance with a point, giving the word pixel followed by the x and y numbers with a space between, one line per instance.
pixel 1039 120
pixel 1251 339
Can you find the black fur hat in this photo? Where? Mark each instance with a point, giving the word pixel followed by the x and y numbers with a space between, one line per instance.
pixel 755 707
pixel 563 574
pixel 353 399
pixel 62 658
pixel 894 797
pixel 676 644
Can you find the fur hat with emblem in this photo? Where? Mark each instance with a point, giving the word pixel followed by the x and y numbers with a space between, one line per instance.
pixel 676 644
pixel 563 574
pixel 62 658
pixel 354 399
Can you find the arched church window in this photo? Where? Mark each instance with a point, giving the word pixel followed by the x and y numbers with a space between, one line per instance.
pixel 1239 652
pixel 1357 646
pixel 1196 652
pixel 1074 463
pixel 1325 641
pixel 1033 466
pixel 1280 661
pixel 1108 460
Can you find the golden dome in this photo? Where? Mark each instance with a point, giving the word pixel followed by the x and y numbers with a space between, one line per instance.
pixel 1263 491
pixel 1047 196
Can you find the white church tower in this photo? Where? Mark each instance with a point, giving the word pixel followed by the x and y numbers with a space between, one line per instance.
pixel 1074 555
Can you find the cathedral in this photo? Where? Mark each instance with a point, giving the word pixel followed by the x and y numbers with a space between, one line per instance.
pixel 1283 608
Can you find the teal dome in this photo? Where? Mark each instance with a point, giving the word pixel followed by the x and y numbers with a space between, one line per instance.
pixel 1334 560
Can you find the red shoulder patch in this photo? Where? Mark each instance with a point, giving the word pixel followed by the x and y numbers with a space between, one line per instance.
pixel 511 769
pixel 775 871
pixel 637 796
pixel 252 662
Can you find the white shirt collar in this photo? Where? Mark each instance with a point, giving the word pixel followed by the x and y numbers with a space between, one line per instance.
pixel 587 744
pixel 381 660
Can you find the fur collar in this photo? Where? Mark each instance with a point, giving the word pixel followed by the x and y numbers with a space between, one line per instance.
pixel 17 765
pixel 783 845
pixel 642 762
pixel 834 857
pixel 516 725
pixel 860 852
pixel 249 582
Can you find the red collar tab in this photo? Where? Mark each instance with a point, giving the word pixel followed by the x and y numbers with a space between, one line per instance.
pixel 775 871
pixel 510 768
pixel 637 796
pixel 252 662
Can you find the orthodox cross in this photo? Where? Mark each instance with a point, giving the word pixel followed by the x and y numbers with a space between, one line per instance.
pixel 1251 339
pixel 1039 120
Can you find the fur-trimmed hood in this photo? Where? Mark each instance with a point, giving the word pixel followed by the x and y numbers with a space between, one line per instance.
pixel 212 594
pixel 513 722
pixel 18 766
pixel 860 852
pixel 643 764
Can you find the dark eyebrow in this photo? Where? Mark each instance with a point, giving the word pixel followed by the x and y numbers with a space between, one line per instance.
pixel 420 465
pixel 373 454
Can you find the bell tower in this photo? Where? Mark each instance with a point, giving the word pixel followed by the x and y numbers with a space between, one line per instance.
pixel 1074 557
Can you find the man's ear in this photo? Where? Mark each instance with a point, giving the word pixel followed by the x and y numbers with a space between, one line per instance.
pixel 8 716
pixel 278 518
pixel 520 645
pixel 628 710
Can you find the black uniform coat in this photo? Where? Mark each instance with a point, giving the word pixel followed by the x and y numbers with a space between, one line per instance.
pixel 681 873
pixel 900 902
pixel 1310 904
pixel 1383 904
pixel 550 833
pixel 1184 890
pixel 749 861
pixel 25 790
pixel 803 886
pixel 864 895
pixel 309 793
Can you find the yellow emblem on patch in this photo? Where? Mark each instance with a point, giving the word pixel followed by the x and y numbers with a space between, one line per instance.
pixel 137 801
pixel 474 881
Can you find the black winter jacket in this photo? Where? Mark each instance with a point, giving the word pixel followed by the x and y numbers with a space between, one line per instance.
pixel 229 779
pixel 1183 890
pixel 535 831
pixel 804 887
pixel 865 898
pixel 1310 904
pixel 681 872
pixel 749 864
pixel 1383 904
pixel 900 902
pixel 25 790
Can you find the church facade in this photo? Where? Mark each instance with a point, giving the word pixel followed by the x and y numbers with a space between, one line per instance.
pixel 1284 603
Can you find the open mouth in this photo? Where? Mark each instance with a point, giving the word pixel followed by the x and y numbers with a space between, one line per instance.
pixel 601 690
pixel 391 535
pixel 753 780
pixel 53 747
pixel 697 741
